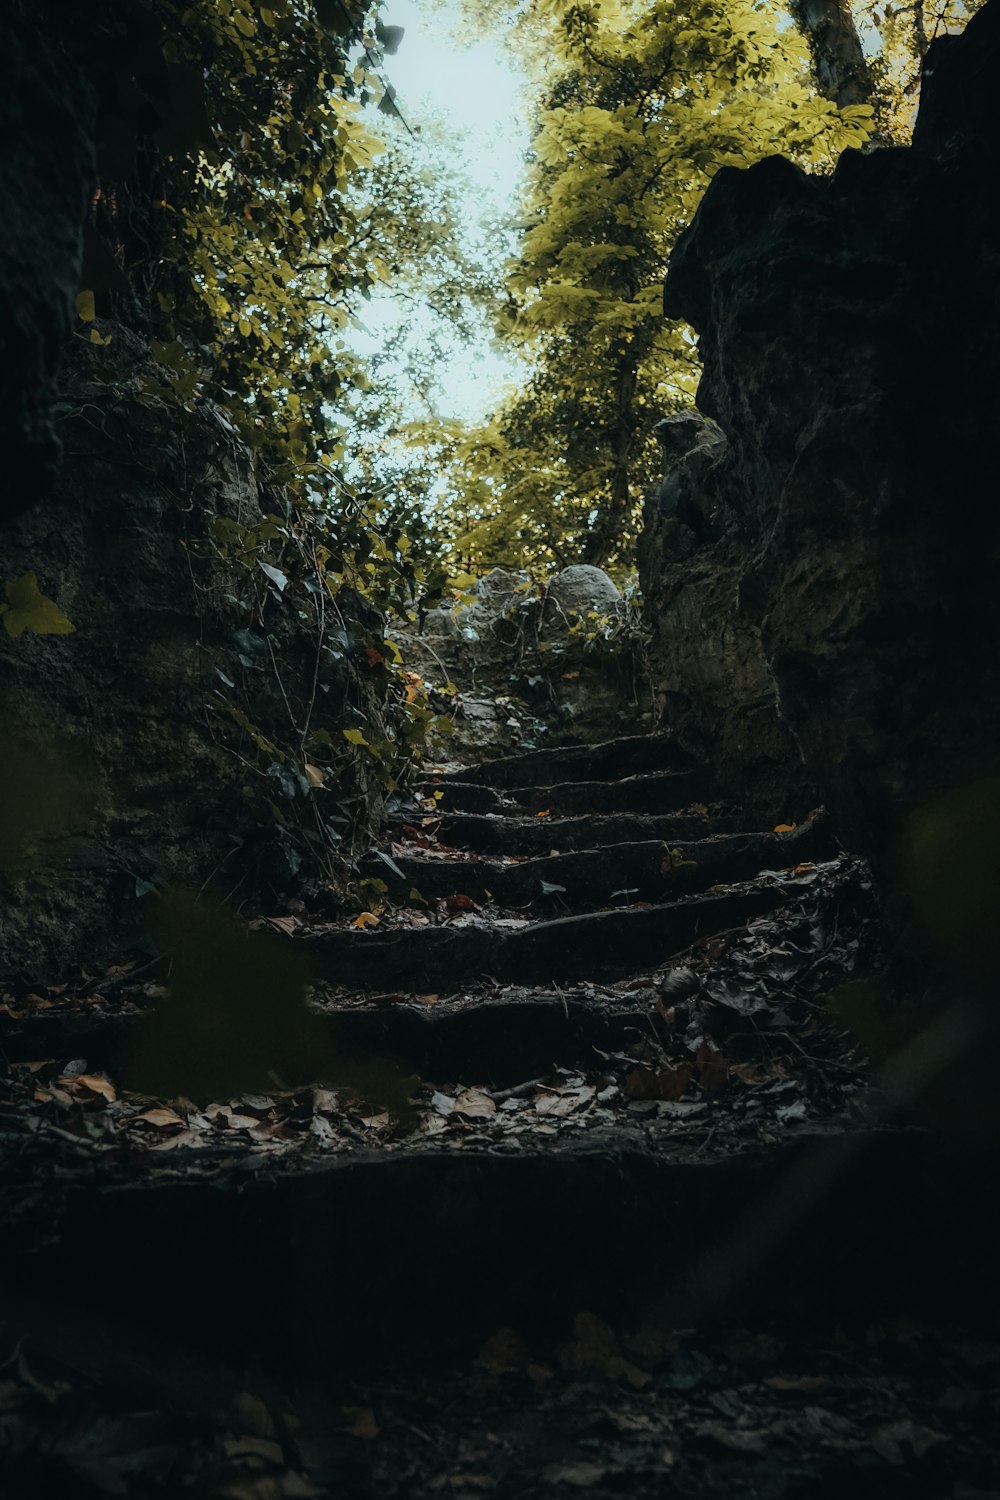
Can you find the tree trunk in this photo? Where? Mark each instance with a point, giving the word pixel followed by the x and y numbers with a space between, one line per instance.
pixel 610 524
pixel 841 68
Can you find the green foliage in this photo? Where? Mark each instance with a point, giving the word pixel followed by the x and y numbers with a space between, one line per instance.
pixel 265 226
pixel 643 103
pixel 242 221
pixel 314 773
pixel 902 34
pixel 27 608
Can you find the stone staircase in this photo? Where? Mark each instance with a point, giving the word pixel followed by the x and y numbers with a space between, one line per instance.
pixel 582 1063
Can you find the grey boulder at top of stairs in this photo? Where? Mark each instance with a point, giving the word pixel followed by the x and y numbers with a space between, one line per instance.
pixel 582 587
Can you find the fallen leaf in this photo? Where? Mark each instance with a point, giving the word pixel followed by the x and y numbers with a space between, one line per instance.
pixel 314 775
pixel 504 1350
pixel 582 1476
pixel 427 999
pixel 546 814
pixel 564 1101
pixel 752 1073
pixel 249 1414
pixel 162 1117
pixel 366 919
pixel 28 609
pixel 474 1104
pixel 361 1422
pixel 896 1441
pixel 784 828
pixel 95 1083
pixel 460 903
pixel 736 1439
pixel 662 1083
pixel 797 1382
pixel 247 1446
pixel 284 924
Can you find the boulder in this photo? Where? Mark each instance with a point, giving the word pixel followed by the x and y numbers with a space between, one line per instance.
pixel 581 588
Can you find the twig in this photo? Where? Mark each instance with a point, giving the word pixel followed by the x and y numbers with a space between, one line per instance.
pixel 519 1091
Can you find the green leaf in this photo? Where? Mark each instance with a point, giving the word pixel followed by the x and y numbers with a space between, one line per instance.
pixel 28 609
pixel 354 737
pixel 275 574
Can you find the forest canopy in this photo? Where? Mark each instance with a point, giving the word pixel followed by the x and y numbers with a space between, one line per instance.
pixel 260 181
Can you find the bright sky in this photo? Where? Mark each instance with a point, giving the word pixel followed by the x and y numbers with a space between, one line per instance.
pixel 475 90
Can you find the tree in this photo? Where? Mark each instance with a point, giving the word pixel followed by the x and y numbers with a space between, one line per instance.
pixel 250 203
pixel 842 70
pixel 644 101
pixel 898 37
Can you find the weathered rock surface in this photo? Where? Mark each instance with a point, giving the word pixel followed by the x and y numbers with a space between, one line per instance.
pixel 582 587
pixel 821 583
pixel 129 756
pixel 47 124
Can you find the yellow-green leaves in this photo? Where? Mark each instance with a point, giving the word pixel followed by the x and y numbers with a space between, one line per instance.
pixel 645 100
pixel 27 608
pixel 85 306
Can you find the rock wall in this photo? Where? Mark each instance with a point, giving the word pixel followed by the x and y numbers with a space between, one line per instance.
pixel 820 573
pixel 165 741
pixel 48 116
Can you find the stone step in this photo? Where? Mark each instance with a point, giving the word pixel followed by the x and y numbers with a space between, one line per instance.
pixel 606 945
pixel 493 1041
pixel 658 792
pixel 616 874
pixel 374 1252
pixel 610 761
pixel 490 833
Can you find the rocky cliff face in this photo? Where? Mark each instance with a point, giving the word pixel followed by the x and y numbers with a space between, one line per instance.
pixel 190 730
pixel 820 566
pixel 48 116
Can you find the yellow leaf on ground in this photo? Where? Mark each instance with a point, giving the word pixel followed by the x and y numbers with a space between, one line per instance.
pixel 366 919
pixel 784 828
